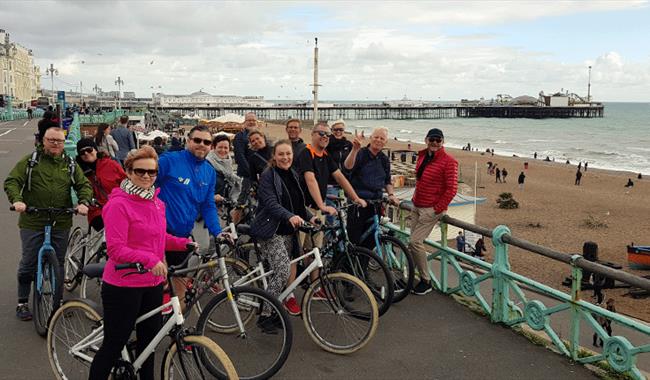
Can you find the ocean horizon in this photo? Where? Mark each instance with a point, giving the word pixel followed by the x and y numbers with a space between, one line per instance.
pixel 618 141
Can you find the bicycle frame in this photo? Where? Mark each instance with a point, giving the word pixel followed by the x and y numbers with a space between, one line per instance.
pixel 90 242
pixel 47 246
pixel 96 336
pixel 263 274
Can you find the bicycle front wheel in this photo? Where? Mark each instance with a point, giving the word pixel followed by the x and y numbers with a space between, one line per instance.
pixel 400 263
pixel 48 299
pixel 91 288
pixel 188 361
pixel 71 323
pixel 269 347
pixel 73 260
pixel 346 320
pixel 206 282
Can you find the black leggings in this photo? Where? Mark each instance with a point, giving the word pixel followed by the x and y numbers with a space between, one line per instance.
pixel 122 306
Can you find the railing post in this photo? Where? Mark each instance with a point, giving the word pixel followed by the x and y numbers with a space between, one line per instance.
pixel 576 282
pixel 443 258
pixel 500 284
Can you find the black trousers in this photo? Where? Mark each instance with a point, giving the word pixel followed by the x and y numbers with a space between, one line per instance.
pixel 122 306
pixel 359 220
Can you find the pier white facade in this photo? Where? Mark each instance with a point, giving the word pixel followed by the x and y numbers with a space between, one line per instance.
pixel 203 99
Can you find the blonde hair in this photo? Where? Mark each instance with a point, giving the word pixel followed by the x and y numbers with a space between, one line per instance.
pixel 140 154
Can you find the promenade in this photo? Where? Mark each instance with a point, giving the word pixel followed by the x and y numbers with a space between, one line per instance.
pixel 430 337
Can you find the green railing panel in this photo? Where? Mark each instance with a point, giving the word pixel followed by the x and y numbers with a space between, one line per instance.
pixel 618 351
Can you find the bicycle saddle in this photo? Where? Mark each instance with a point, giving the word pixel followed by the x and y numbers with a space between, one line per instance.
pixel 94 270
pixel 244 229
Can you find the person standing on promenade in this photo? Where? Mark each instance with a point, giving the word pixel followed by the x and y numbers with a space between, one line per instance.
pixel 30 112
pixel 105 142
pixel 228 185
pixel 44 179
pixel 497 178
pixel 370 176
pixel 338 148
pixel 124 139
pixel 436 173
pixel 258 155
pixel 460 242
pixel 521 179
pixel 186 182
pixel 294 130
pixel 578 177
pixel 504 174
pixel 135 232
pixel 242 151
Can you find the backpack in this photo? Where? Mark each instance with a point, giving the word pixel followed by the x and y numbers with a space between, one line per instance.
pixel 33 161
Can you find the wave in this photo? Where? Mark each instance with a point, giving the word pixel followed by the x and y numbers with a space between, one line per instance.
pixel 407 131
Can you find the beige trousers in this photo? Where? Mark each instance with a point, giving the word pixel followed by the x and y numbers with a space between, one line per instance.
pixel 306 240
pixel 422 222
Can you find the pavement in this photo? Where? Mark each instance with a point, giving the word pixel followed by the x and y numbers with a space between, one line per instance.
pixel 427 337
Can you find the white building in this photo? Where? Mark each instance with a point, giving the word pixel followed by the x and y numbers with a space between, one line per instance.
pixel 203 99
pixel 128 95
pixel 19 77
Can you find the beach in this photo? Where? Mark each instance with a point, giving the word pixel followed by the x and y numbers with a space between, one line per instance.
pixel 561 209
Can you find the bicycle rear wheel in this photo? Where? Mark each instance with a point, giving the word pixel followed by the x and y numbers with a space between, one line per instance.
pixel 358 262
pixel 71 323
pixel 347 320
pixel 188 361
pixel 48 299
pixel 400 263
pixel 259 354
pixel 73 262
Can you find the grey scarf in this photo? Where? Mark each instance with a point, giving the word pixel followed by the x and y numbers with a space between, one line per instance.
pixel 131 189
pixel 224 166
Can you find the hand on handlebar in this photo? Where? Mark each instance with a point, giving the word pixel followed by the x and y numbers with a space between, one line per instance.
pixel 159 269
pixel 19 207
pixel 315 221
pixel 393 199
pixel 296 221
pixel 226 236
pixel 329 210
pixel 82 209
pixel 361 202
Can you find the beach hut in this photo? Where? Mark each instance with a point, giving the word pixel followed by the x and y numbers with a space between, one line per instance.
pixel 461 208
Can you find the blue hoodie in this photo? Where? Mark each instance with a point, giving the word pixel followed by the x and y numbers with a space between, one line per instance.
pixel 187 188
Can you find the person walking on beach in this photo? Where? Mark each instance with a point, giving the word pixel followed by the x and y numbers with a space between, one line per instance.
pixel 579 165
pixel 605 323
pixel 436 173
pixel 294 130
pixel 460 242
pixel 578 177
pixel 498 176
pixel 479 248
pixel 586 164
pixel 535 155
pixel 521 179
pixel 629 183
pixel 504 174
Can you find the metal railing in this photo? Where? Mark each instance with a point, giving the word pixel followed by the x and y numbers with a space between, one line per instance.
pixel 9 115
pixel 107 117
pixel 618 351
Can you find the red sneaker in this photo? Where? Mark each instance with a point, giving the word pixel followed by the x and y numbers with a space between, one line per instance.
pixel 166 298
pixel 292 306
pixel 319 295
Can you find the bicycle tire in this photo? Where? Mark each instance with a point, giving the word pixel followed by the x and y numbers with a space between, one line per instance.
pixel 199 348
pixel 236 268
pixel 90 288
pixel 78 319
pixel 380 281
pixel 255 342
pixel 336 306
pixel 402 269
pixel 74 260
pixel 46 302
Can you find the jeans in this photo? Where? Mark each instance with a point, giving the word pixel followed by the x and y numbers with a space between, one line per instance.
pixel 32 241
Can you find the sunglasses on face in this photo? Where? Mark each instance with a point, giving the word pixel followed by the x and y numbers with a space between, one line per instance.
pixel 141 172
pixel 55 141
pixel 323 134
pixel 435 139
pixel 197 140
pixel 338 130
pixel 86 151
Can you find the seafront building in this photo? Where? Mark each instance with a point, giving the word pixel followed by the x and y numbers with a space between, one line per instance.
pixel 203 99
pixel 19 77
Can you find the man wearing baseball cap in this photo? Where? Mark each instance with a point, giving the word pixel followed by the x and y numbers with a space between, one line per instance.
pixel 436 174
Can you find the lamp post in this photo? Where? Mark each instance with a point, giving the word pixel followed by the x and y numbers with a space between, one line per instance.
pixel 51 72
pixel 119 82
pixel 589 87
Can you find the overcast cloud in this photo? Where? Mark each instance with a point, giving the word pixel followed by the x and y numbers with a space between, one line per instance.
pixel 368 50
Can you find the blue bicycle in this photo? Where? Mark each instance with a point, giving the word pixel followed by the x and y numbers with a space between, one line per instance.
pixel 48 284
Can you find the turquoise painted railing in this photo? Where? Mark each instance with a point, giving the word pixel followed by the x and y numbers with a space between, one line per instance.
pixel 618 351
pixel 107 117
pixel 8 115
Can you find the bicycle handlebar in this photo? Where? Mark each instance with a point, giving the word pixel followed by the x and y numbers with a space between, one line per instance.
pixel 54 210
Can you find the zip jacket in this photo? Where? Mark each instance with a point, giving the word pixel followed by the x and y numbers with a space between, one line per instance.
pixel 439 182
pixel 107 176
pixel 187 188
pixel 135 232
pixel 51 184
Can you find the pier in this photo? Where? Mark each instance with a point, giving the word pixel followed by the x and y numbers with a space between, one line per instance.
pixel 377 112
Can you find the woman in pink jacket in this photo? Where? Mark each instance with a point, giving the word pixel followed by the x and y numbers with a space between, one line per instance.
pixel 134 220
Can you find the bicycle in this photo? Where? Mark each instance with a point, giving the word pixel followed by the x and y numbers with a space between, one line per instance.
pixel 84 248
pixel 392 251
pixel 228 316
pixel 76 332
pixel 348 303
pixel 48 290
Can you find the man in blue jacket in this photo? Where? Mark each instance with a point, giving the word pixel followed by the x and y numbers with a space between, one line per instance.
pixel 187 181
pixel 124 139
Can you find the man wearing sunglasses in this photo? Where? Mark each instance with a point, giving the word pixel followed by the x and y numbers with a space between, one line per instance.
pixel 436 174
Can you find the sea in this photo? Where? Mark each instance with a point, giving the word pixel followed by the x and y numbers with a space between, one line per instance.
pixel 618 141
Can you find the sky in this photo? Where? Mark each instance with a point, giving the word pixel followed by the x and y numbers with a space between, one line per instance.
pixel 368 50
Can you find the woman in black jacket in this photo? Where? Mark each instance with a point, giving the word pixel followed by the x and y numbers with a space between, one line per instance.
pixel 281 210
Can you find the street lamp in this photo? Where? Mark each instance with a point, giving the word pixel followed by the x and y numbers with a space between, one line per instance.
pixel 589 87
pixel 52 72
pixel 119 82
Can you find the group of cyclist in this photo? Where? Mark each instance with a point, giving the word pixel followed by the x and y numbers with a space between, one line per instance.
pixel 151 207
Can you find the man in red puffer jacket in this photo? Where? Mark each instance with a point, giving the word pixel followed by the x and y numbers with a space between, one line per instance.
pixel 436 174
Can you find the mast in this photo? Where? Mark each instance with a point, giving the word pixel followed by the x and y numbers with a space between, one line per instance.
pixel 315 85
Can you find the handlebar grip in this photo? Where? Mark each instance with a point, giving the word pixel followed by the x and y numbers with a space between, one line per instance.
pixel 128 266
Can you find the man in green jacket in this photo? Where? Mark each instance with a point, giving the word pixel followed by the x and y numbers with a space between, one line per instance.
pixel 52 177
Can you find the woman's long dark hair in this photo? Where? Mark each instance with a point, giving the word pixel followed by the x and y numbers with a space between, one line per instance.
pixel 99 135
